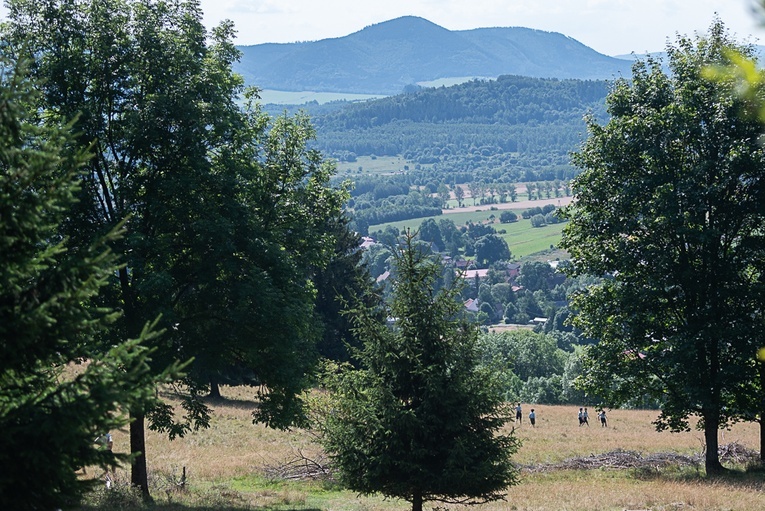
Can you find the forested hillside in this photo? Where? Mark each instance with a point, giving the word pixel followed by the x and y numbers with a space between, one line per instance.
pixel 387 57
pixel 510 129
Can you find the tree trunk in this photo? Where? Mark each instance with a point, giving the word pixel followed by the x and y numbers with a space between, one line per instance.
pixel 417 501
pixel 214 389
pixel 712 458
pixel 138 474
pixel 762 411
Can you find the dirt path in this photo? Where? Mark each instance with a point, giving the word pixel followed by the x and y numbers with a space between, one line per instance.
pixel 524 204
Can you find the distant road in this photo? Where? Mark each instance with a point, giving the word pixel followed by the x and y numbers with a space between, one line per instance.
pixel 524 204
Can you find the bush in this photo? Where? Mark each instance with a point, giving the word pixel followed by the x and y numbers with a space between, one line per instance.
pixel 507 217
pixel 538 221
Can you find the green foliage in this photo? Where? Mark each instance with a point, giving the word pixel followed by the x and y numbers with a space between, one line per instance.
pixel 344 279
pixel 529 354
pixel 420 421
pixel 229 212
pixel 535 275
pixel 507 217
pixel 490 249
pixel 60 388
pixel 670 207
pixel 532 367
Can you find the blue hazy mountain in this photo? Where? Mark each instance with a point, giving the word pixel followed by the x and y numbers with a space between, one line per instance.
pixel 387 57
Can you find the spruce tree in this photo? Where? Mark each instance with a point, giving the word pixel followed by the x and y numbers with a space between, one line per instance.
pixel 420 421
pixel 60 387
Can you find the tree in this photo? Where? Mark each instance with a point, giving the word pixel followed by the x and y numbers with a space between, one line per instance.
pixel 490 249
pixel 420 421
pixel 443 194
pixel 535 275
pixel 430 232
pixel 507 217
pixel 459 194
pixel 228 210
pixel 670 208
pixel 57 378
pixel 513 193
pixel 538 221
pixel 474 187
pixel 344 278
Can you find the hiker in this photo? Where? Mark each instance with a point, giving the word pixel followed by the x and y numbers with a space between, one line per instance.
pixel 105 440
pixel 532 418
pixel 602 417
pixel 581 417
pixel 586 417
pixel 518 413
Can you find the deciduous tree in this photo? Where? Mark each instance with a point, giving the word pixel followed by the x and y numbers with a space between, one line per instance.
pixel 670 208
pixel 227 210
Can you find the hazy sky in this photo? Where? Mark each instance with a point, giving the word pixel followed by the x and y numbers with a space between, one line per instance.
pixel 609 26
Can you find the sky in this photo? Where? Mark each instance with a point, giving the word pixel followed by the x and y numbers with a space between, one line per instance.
pixel 611 27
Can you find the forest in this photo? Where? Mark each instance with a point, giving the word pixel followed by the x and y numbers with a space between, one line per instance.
pixel 510 129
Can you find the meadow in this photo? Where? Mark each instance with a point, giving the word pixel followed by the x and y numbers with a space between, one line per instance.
pixel 522 239
pixel 232 466
pixel 280 97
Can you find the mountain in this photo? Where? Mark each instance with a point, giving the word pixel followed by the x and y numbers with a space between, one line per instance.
pixel 387 57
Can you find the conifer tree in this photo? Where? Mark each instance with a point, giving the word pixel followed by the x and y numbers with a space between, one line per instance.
pixel 420 420
pixel 60 387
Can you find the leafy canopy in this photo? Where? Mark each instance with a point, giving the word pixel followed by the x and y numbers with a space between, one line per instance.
pixel 670 208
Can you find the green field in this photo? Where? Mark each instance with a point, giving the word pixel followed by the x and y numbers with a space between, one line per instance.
pixel 374 165
pixel 280 97
pixel 521 237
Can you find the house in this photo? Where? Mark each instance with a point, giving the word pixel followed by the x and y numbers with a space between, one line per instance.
pixel 472 274
pixel 367 242
pixel 472 305
pixel 461 264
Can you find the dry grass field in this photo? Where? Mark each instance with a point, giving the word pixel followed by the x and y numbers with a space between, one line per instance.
pixel 226 467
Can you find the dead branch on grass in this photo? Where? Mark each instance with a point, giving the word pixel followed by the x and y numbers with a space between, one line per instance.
pixel 300 467
pixel 621 460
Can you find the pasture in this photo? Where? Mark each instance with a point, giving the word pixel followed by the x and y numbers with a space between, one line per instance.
pixel 280 97
pixel 522 239
pixel 374 165
pixel 233 465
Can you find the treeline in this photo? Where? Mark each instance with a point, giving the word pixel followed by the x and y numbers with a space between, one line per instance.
pixel 513 128
pixel 506 100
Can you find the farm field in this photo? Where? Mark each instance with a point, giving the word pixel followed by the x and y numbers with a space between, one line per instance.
pixel 280 97
pixel 522 239
pixel 378 165
pixel 232 467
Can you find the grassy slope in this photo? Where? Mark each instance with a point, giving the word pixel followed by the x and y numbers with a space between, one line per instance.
pixel 521 237
pixel 225 464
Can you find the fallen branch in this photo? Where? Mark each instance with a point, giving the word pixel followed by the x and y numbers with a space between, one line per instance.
pixel 620 460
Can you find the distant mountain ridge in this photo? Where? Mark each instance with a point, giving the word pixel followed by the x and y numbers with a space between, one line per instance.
pixel 387 57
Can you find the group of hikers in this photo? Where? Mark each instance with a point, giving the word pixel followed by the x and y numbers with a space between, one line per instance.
pixel 584 417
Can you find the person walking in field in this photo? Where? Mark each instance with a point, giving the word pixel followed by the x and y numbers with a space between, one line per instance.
pixel 603 420
pixel 106 442
pixel 581 417
pixel 518 413
pixel 586 418
pixel 532 418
